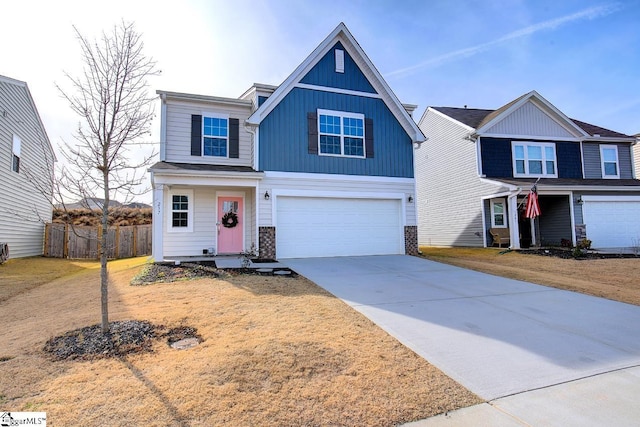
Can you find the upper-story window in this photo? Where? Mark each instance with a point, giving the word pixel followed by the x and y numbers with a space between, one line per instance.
pixel 15 154
pixel 215 136
pixel 341 134
pixel 609 160
pixel 536 159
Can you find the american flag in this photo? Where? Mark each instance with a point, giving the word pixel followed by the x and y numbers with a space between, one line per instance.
pixel 533 207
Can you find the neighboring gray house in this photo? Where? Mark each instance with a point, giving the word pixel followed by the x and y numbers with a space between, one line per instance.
pixel 478 166
pixel 26 171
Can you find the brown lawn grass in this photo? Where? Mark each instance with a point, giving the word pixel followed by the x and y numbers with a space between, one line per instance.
pixel 616 279
pixel 276 351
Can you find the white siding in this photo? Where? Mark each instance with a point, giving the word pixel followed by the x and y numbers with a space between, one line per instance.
pixel 448 186
pixel 334 186
pixel 636 160
pixel 178 125
pixel 529 120
pixel 203 236
pixel 23 208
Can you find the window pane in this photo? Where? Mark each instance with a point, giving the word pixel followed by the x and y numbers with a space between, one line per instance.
pixel 180 203
pixel 353 147
pixel 551 168
pixel 179 219
pixel 330 144
pixel 609 155
pixel 353 127
pixel 535 167
pixel 520 166
pixel 519 152
pixel 16 164
pixel 610 169
pixel 215 127
pixel 330 124
pixel 549 153
pixel 215 147
pixel 498 208
pixel 498 219
pixel 534 152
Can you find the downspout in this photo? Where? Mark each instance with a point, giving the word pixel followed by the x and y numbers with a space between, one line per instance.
pixel 514 227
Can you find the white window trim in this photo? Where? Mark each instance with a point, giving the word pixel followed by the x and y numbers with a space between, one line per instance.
pixel 504 213
pixel 190 201
pixel 604 147
pixel 16 150
pixel 214 116
pixel 343 114
pixel 543 145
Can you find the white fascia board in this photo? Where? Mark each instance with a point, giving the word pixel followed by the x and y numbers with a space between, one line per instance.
pixel 205 98
pixel 337 90
pixel 605 140
pixel 337 177
pixel 213 174
pixel 211 181
pixel 500 184
pixel 530 137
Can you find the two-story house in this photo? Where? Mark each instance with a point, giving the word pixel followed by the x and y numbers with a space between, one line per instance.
pixel 478 167
pixel 26 171
pixel 321 165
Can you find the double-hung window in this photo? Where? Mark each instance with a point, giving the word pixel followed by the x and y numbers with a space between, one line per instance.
pixel 181 215
pixel 341 134
pixel 498 213
pixel 15 154
pixel 215 136
pixel 537 159
pixel 609 160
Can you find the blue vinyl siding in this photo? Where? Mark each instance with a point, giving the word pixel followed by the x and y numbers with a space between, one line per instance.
pixel 497 161
pixel 284 137
pixel 324 73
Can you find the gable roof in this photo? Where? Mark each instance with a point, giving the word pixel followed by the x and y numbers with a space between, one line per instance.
pixel 341 34
pixel 480 119
pixel 43 131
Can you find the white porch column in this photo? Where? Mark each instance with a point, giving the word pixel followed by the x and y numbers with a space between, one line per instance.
pixel 158 222
pixel 514 228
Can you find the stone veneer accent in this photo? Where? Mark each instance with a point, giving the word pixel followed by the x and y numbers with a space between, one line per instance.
pixel 411 239
pixel 267 242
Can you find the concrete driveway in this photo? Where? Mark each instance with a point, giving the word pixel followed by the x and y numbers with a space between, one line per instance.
pixel 499 337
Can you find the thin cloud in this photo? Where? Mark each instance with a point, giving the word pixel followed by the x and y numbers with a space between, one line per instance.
pixel 589 14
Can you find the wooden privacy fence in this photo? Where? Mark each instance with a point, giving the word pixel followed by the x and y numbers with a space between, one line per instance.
pixel 66 241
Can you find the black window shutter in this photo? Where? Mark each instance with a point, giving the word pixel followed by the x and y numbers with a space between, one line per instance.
pixel 234 138
pixel 196 135
pixel 312 120
pixel 368 137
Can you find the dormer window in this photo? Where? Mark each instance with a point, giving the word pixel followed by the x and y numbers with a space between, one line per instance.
pixel 534 159
pixel 609 161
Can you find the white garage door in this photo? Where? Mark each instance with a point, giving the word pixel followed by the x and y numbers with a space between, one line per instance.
pixel 316 227
pixel 612 224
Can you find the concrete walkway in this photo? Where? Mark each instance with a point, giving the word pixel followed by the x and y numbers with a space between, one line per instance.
pixel 500 338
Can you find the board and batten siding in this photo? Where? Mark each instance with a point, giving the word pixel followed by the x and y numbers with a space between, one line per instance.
pixel 333 185
pixel 593 165
pixel 203 236
pixel 284 139
pixel 449 189
pixel 23 209
pixel 178 133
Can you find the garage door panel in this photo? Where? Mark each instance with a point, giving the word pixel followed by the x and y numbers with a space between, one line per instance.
pixel 314 227
pixel 612 224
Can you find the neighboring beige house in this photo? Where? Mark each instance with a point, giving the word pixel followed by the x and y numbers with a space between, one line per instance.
pixel 26 171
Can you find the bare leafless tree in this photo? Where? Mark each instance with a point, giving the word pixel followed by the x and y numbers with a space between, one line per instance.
pixel 112 98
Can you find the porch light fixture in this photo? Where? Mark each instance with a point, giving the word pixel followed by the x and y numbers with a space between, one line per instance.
pixel 579 200
pixel 266 195
pixel 410 199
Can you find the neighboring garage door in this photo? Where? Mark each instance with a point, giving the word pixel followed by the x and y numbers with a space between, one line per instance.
pixel 319 227
pixel 612 223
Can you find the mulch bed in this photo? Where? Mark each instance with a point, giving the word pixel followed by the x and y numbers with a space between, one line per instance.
pixel 569 254
pixel 124 338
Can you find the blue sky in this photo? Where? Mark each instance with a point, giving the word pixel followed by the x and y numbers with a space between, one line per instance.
pixel 583 56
